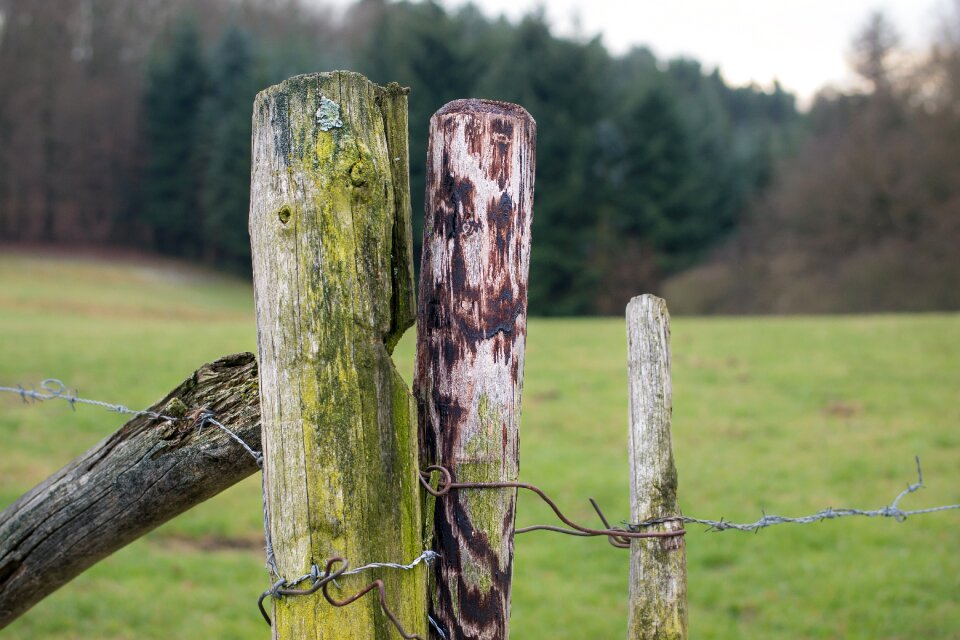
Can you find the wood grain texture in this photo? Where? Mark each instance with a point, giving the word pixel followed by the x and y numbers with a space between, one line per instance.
pixel 470 344
pixel 133 481
pixel 658 566
pixel 331 239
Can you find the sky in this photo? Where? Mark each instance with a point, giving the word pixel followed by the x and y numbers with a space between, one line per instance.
pixel 802 43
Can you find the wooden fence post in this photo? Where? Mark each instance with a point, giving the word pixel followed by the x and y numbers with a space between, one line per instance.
pixel 470 341
pixel 144 474
pixel 331 238
pixel 658 566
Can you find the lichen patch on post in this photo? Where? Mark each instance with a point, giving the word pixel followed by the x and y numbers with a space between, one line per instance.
pixel 328 115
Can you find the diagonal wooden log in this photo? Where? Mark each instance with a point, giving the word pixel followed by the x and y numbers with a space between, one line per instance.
pixel 133 481
pixel 471 332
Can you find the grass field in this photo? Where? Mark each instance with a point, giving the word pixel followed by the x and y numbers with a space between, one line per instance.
pixel 789 415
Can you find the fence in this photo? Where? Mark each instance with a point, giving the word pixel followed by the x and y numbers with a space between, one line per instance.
pixel 355 467
pixel 49 569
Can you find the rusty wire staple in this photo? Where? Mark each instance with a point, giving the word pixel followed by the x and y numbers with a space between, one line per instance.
pixel 320 583
pixel 617 536
pixel 376 584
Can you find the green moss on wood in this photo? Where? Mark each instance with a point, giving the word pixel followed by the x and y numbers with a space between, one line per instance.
pixel 175 408
pixel 337 321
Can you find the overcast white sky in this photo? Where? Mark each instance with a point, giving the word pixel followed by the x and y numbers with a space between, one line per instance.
pixel 803 43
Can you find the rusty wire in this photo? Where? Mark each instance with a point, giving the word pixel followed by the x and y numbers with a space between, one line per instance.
pixel 376 584
pixel 618 537
pixel 321 581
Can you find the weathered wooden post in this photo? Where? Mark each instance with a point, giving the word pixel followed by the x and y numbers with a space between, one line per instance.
pixel 470 341
pixel 658 566
pixel 133 481
pixel 331 238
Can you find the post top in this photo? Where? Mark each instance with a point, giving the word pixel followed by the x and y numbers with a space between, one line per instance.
pixel 647 300
pixel 480 106
pixel 297 84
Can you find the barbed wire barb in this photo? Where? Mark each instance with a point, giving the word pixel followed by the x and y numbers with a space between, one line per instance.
pixel 55 389
pixel 891 510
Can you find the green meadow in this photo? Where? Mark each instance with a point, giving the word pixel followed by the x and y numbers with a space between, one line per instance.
pixel 782 415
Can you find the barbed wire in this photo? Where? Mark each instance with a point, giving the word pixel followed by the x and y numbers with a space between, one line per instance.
pixel 54 389
pixel 891 510
pixel 209 417
pixel 283 587
pixel 336 567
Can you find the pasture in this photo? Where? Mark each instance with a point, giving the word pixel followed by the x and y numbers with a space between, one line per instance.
pixel 787 415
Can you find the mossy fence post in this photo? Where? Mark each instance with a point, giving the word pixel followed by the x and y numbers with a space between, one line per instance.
pixel 471 332
pixel 658 566
pixel 331 238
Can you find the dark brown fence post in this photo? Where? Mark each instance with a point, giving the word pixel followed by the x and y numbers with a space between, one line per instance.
pixel 471 334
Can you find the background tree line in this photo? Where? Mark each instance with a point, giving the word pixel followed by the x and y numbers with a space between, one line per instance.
pixel 127 122
pixel 866 215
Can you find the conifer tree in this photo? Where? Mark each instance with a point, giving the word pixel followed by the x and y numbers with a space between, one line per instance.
pixel 175 84
pixel 226 180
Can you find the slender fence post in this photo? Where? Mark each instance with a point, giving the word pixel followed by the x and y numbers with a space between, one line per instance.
pixel 658 566
pixel 331 239
pixel 471 334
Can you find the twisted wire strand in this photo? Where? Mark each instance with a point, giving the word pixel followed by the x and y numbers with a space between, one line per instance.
pixel 322 578
pixel 54 389
pixel 891 510
pixel 316 573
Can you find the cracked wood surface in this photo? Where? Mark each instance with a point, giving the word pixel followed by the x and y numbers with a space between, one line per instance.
pixel 471 334
pixel 133 481
pixel 331 237
pixel 658 566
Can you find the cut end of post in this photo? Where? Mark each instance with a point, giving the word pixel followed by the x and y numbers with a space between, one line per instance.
pixel 479 105
pixel 648 300
pixel 294 85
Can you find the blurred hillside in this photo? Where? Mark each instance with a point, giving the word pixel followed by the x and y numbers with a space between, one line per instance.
pixel 127 122
pixel 866 216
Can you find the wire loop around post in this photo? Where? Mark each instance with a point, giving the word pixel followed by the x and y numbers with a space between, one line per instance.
pixel 617 537
pixel 322 580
